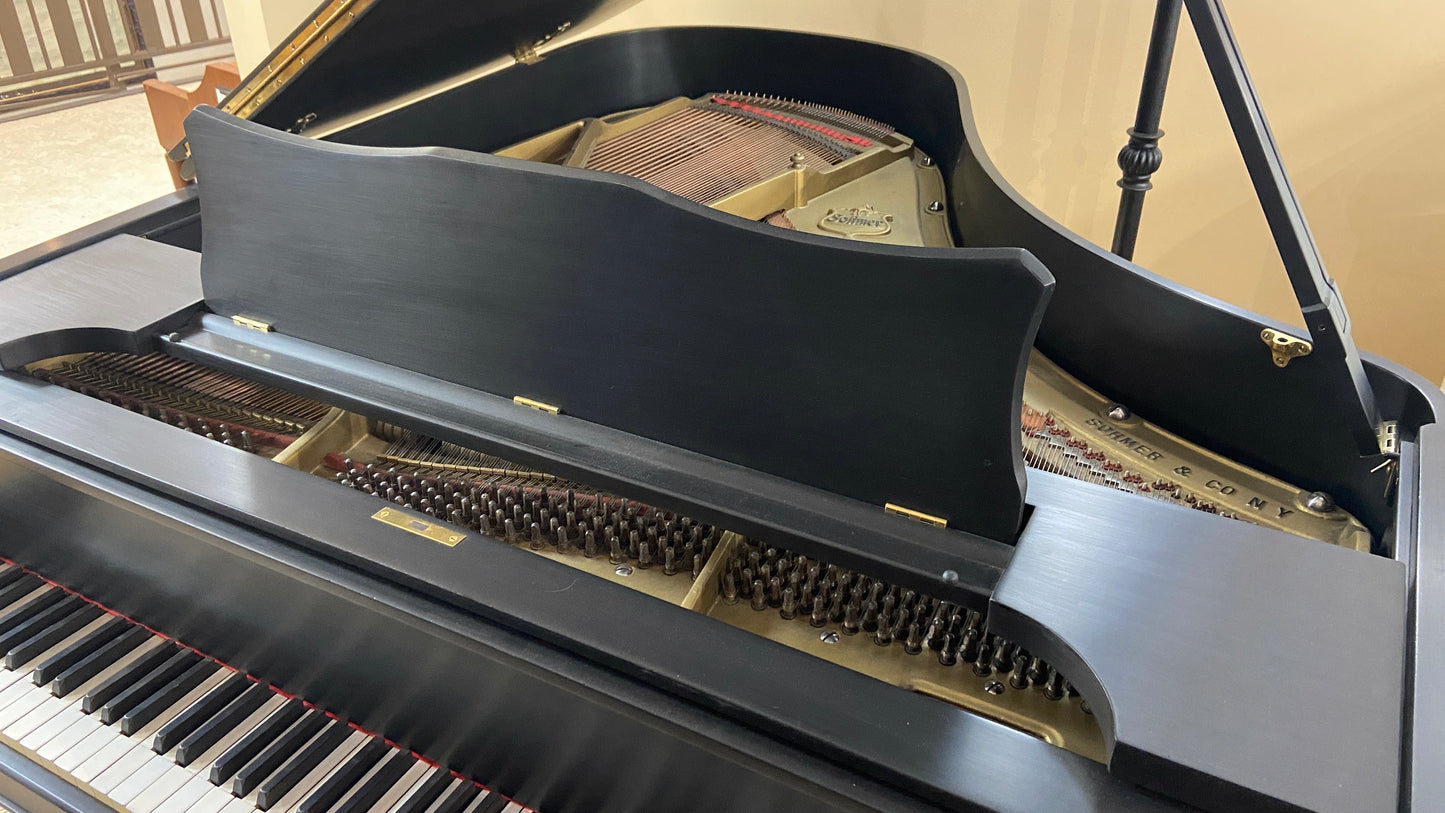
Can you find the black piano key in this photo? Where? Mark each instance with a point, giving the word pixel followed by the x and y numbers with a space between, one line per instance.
pixel 136 691
pixel 250 745
pixel 303 763
pixel 196 714
pixel 125 678
pixel 166 696
pixel 19 589
pixel 40 621
pixel 14 618
pixel 278 752
pixel 74 676
pixel 39 642
pixel 345 777
pixel 457 799
pixel 494 803
pixel 422 799
pixel 11 576
pixel 376 785
pixel 210 732
pixel 68 657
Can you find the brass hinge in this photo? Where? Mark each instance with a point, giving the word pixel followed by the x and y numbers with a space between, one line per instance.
pixel 526 55
pixel 1285 347
pixel 252 324
pixel 537 405
pixel 937 522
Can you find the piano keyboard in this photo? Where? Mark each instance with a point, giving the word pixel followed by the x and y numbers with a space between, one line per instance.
pixel 148 725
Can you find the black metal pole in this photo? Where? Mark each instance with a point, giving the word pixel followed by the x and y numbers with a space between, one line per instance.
pixel 1141 157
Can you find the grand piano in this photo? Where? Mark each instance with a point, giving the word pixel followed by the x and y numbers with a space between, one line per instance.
pixel 520 417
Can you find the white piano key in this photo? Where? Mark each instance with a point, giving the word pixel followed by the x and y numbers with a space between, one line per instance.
pixel 437 802
pixel 66 736
pixel 189 792
pixel 477 802
pixel 140 751
pixel 145 775
pixel 97 735
pixel 198 784
pixel 514 807
pixel 21 729
pixel 160 776
pixel 164 787
pixel 247 805
pixel 112 746
pixel 213 800
pixel 21 706
pixel 328 766
pixel 404 787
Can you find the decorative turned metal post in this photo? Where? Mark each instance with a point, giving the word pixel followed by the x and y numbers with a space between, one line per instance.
pixel 1141 157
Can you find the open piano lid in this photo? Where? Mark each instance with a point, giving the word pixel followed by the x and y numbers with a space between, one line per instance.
pixel 352 55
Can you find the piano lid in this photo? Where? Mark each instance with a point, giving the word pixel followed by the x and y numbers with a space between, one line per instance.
pixel 352 55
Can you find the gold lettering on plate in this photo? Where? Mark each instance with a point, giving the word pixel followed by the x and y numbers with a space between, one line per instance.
pixel 857 221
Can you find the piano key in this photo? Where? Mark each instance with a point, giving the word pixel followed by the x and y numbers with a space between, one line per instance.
pixel 107 746
pixel 45 639
pixel 21 729
pixel 480 800
pixel 19 590
pixel 375 784
pixel 96 698
pixel 278 752
pixel 427 793
pixel 115 650
pixel 411 781
pixel 143 776
pixel 72 724
pixel 328 766
pixel 19 696
pixel 33 605
pixel 495 803
pixel 457 798
pixel 202 711
pixel 302 763
pixel 113 626
pixel 116 781
pixel 213 801
pixel 102 749
pixel 9 574
pixel 250 745
pixel 346 777
pixel 211 731
pixel 146 685
pixel 199 766
pixel 179 686
pixel 40 620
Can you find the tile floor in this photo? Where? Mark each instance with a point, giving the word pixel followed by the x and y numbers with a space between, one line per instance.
pixel 62 170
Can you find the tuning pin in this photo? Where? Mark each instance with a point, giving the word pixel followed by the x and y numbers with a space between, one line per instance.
pixel 589 544
pixel 760 597
pixel 914 644
pixel 730 588
pixel 1054 689
pixel 1019 677
pixel 947 655
pixel 615 557
pixel 981 662
pixel 789 610
pixel 1002 656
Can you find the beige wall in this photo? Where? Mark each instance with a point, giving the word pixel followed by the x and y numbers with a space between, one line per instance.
pixel 1354 96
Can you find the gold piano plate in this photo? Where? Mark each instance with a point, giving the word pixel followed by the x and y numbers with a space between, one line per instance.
pixel 429 530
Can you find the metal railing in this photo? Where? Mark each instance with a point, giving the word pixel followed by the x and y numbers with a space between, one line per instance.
pixel 51 49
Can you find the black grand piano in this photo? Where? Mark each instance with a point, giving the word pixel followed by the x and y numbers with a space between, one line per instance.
pixel 682 419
